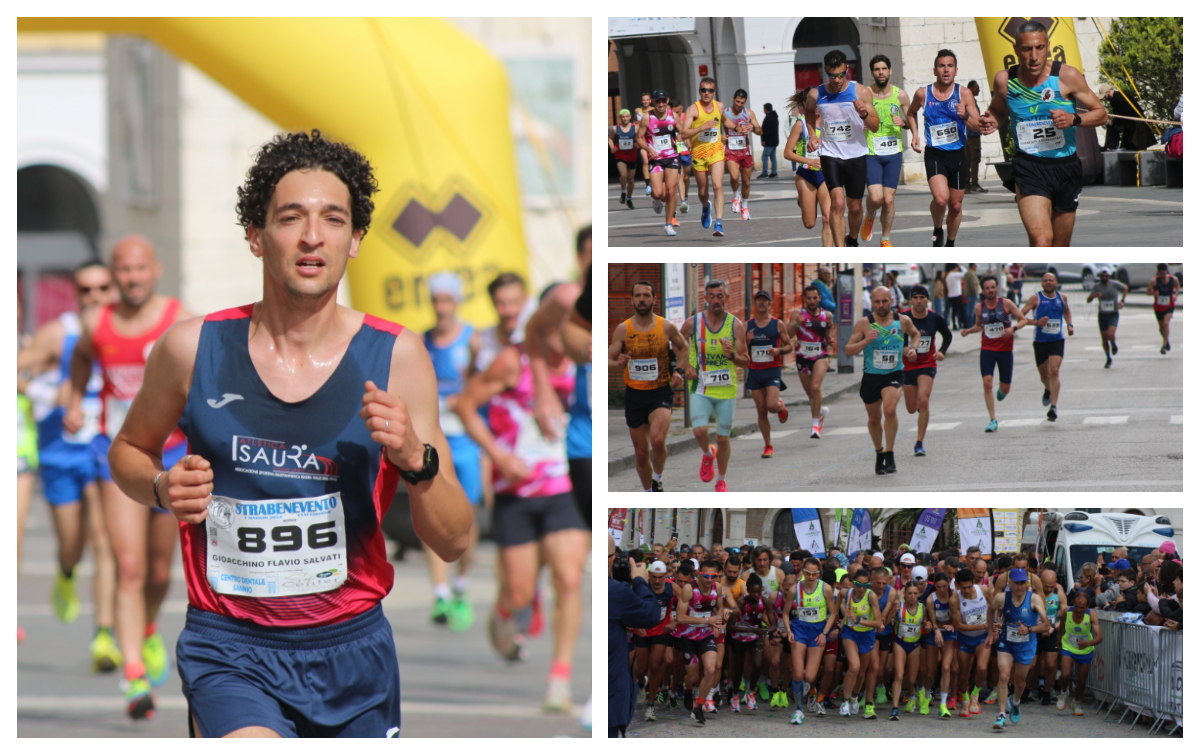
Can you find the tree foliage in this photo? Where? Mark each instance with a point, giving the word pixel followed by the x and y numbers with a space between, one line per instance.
pixel 1151 49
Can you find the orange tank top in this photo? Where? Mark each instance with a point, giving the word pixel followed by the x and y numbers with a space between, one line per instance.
pixel 648 367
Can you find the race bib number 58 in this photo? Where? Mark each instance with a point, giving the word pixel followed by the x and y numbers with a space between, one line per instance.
pixel 276 548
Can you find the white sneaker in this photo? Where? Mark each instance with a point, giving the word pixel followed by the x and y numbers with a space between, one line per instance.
pixel 558 694
pixel 670 230
pixel 658 207
pixel 854 707
pixel 1062 701
pixel 1075 708
pixel 649 190
pixel 683 206
pixel 797 717
pixel 585 719
pixel 845 711
pixel 710 706
pixel 737 203
pixel 735 704
pixel 650 713
pixel 745 213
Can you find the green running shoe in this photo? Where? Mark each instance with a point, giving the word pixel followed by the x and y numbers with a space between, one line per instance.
pixel 926 698
pixel 154 655
pixel 991 699
pixel 461 615
pixel 869 712
pixel 763 692
pixel 441 611
pixel 139 703
pixel 944 712
pixel 106 656
pixel 66 602
pixel 911 705
pixel 880 695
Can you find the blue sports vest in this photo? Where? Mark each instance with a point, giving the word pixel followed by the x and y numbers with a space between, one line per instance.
pixel 450 366
pixel 579 431
pixel 1052 308
pixel 56 449
pixel 942 122
pixel 292 536
pixel 1029 122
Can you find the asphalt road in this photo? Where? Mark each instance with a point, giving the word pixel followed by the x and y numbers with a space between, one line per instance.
pixel 451 685
pixel 1036 721
pixel 1118 430
pixel 1107 216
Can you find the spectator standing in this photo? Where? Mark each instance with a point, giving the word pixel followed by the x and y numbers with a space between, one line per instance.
pixel 954 296
pixel 1016 275
pixel 633 607
pixel 974 148
pixel 897 293
pixel 770 141
pixel 939 293
pixel 970 294
pixel 1119 134
pixel 824 283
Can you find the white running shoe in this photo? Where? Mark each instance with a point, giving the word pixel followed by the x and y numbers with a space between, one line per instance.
pixel 854 707
pixel 670 230
pixel 845 711
pixel 683 206
pixel 649 190
pixel 1075 708
pixel 797 717
pixel 650 713
pixel 745 212
pixel 737 203
pixel 751 702
pixel 658 207
pixel 1062 701
pixel 558 695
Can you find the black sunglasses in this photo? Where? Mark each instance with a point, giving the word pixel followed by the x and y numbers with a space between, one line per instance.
pixel 706 91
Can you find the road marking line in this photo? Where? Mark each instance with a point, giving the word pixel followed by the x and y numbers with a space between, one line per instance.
pixel 103 703
pixel 1020 422
pixel 774 434
pixel 1106 420
pixel 938 426
pixel 1176 419
pixel 846 431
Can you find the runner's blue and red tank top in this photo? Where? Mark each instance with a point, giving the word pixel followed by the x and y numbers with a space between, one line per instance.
pixel 761 339
pixel 292 537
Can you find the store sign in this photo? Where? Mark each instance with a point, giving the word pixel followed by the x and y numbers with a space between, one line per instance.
pixel 649 26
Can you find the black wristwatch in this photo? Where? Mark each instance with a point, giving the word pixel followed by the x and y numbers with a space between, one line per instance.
pixel 1077 121
pixel 427 472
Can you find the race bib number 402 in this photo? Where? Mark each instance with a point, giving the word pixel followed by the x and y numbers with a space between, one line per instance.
pixel 276 548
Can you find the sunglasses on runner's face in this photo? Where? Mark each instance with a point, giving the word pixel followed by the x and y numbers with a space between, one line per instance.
pixel 704 90
pixel 841 75
pixel 659 102
pixel 812 573
pixel 89 289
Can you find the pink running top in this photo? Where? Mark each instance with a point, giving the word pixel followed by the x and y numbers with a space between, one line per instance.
pixel 510 416
pixel 701 606
pixel 661 135
pixel 752 615
pixel 812 332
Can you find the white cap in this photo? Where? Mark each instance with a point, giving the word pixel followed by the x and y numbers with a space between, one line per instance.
pixel 446 282
pixel 878 556
pixel 920 572
pixel 695 564
pixel 908 558
pixel 658 567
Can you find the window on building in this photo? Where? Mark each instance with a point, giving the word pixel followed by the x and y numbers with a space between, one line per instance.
pixel 783 532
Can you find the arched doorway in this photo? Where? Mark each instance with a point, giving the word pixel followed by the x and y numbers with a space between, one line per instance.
pixel 783 533
pixel 58 227
pixel 817 35
pixel 1137 512
pixel 718 527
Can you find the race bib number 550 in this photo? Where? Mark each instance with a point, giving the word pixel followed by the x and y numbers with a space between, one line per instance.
pixel 274 548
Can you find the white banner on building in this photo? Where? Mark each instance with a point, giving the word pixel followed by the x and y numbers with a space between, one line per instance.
pixel 650 26
pixel 674 302
pixel 975 529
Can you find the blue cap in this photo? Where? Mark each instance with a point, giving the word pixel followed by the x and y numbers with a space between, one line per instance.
pixel 1121 564
pixel 1018 575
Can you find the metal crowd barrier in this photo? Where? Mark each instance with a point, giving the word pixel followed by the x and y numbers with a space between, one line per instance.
pixel 1141 669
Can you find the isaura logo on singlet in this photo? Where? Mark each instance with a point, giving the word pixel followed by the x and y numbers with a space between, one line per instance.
pixel 276 458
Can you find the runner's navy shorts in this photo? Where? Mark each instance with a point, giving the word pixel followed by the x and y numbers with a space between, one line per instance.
pixel 340 680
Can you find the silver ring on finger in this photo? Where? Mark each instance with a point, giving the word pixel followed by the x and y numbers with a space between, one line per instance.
pixel 186 458
pixel 385 424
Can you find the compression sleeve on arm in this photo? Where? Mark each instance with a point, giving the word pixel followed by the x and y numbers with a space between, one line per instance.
pixel 945 332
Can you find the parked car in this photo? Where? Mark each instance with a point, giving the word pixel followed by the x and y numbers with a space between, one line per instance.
pixel 1070 272
pixel 908 274
pixel 1139 274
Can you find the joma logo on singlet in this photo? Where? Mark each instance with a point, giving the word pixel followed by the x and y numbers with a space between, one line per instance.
pixel 281 457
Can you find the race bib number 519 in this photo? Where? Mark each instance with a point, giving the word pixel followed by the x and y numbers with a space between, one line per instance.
pixel 275 548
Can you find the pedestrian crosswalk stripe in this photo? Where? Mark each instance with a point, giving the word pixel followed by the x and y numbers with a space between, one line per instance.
pixel 858 430
pixel 938 426
pixel 1106 420
pixel 775 434
pixel 1020 422
pixel 1176 419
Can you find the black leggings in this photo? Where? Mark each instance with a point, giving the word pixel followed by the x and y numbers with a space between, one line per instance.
pixel 581 487
pixel 957 313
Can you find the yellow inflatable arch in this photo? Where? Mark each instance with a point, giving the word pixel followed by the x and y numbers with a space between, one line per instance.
pixel 424 102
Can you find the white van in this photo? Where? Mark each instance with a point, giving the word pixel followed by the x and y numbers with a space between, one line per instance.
pixel 1075 538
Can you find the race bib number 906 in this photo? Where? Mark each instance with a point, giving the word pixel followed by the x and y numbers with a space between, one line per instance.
pixel 276 548
pixel 645 370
